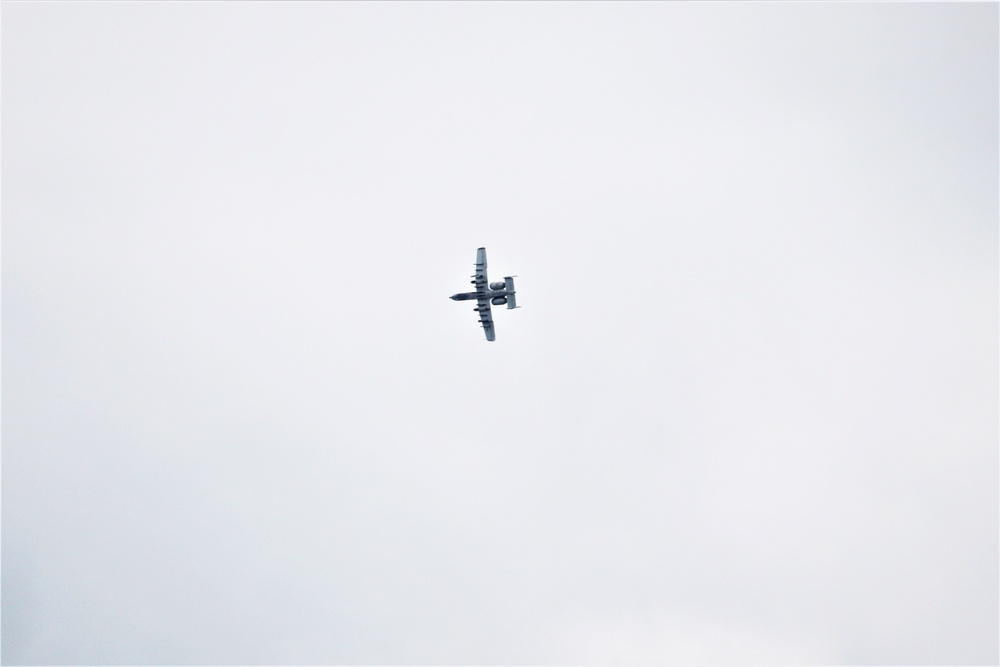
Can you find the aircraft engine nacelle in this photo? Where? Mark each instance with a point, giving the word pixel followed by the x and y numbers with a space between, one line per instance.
pixel 498 286
pixel 499 300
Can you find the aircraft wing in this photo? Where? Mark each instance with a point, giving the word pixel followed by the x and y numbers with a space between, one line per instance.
pixel 486 317
pixel 483 302
pixel 481 281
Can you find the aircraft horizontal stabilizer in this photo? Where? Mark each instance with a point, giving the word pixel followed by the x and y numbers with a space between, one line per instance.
pixel 511 300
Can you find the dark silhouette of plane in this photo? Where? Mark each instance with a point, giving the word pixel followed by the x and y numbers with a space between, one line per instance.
pixel 488 293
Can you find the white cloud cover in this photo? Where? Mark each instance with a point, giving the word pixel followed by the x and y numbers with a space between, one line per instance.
pixel 748 412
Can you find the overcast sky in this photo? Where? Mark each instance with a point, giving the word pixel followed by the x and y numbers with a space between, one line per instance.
pixel 748 411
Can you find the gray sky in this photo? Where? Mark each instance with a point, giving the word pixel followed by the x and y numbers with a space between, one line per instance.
pixel 747 413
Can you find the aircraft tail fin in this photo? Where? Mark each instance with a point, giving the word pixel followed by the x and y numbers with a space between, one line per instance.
pixel 511 300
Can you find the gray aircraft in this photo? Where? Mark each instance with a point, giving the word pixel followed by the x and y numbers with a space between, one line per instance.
pixel 488 293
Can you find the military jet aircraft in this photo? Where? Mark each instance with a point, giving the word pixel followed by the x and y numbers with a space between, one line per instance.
pixel 488 293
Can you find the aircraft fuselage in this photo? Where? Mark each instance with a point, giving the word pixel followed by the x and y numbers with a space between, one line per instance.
pixel 488 294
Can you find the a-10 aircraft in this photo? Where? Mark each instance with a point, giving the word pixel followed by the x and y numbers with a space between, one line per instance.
pixel 488 293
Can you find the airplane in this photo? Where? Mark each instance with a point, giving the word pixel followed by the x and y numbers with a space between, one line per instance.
pixel 488 293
